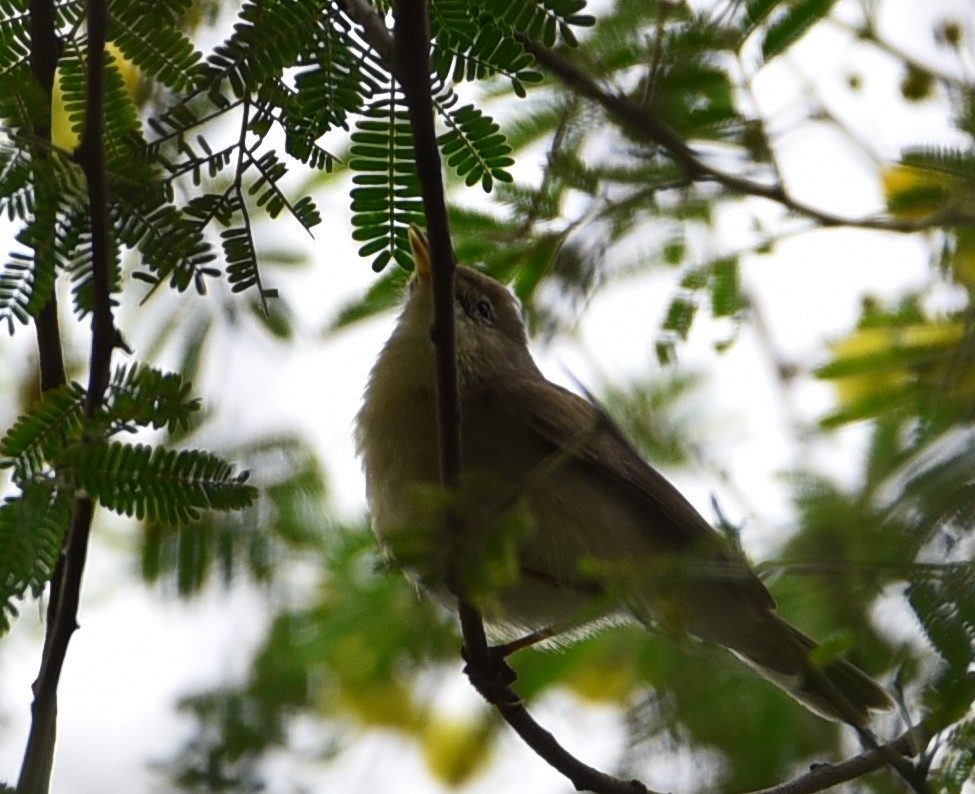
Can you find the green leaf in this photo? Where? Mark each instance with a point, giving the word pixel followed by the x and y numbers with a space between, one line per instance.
pixel 475 148
pixel 789 26
pixel 51 425
pixel 956 752
pixel 680 316
pixel 945 606
pixel 726 298
pixel 147 32
pixel 144 396
pixel 953 162
pixel 32 527
pixel 155 483
pixel 242 268
pixel 385 199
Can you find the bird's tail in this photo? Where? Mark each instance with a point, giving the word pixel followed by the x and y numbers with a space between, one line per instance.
pixel 836 690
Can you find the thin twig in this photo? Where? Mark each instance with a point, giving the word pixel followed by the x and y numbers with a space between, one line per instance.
pixel 868 32
pixel 641 120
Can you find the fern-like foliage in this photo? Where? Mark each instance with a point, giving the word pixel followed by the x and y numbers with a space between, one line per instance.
pixel 958 765
pixel 545 21
pixel 148 33
pixel 337 76
pixel 469 45
pixel 386 196
pixel 932 496
pixel 155 483
pixel 173 245
pixel 475 148
pixel 41 434
pixel 16 288
pixel 15 174
pixel 241 256
pixel 15 28
pixel 56 453
pixel 123 131
pixel 268 38
pixel 958 163
pixel 32 526
pixel 142 396
pixel 787 27
pixel 945 606
pixel 779 23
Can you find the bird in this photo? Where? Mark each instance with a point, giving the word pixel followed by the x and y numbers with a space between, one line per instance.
pixel 564 525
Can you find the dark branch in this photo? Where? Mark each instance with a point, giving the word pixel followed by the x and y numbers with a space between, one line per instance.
pixel 826 776
pixel 91 157
pixel 45 47
pixel 411 65
pixel 66 583
pixel 38 760
pixel 412 69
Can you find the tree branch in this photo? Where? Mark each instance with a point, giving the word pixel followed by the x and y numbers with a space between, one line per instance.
pixel 411 65
pixel 66 583
pixel 45 48
pixel 824 776
pixel 641 120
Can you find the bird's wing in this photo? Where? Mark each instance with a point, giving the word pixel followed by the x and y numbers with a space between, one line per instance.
pixel 569 425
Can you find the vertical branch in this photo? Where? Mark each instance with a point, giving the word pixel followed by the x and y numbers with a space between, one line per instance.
pixel 411 65
pixel 91 157
pixel 45 47
pixel 412 68
pixel 38 761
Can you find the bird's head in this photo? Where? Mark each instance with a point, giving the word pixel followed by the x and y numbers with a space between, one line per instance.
pixel 490 334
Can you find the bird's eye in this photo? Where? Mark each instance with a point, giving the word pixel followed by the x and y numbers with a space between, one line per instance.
pixel 483 311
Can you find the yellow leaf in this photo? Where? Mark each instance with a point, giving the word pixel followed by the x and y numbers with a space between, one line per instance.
pixel 383 704
pixel 865 343
pixel 962 259
pixel 913 193
pixel 456 750
pixel 601 684
pixel 62 135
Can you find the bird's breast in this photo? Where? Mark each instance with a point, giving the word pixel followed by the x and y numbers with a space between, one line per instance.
pixel 396 433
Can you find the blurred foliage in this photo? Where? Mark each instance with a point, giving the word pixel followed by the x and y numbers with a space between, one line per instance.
pixel 200 147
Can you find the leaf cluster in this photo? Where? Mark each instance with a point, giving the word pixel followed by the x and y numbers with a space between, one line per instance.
pixel 55 453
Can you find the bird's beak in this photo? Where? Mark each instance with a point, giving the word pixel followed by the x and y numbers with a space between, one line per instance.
pixel 421 252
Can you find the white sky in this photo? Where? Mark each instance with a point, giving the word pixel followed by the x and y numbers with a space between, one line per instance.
pixel 138 651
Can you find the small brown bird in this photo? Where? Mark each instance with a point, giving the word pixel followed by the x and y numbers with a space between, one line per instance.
pixel 565 524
